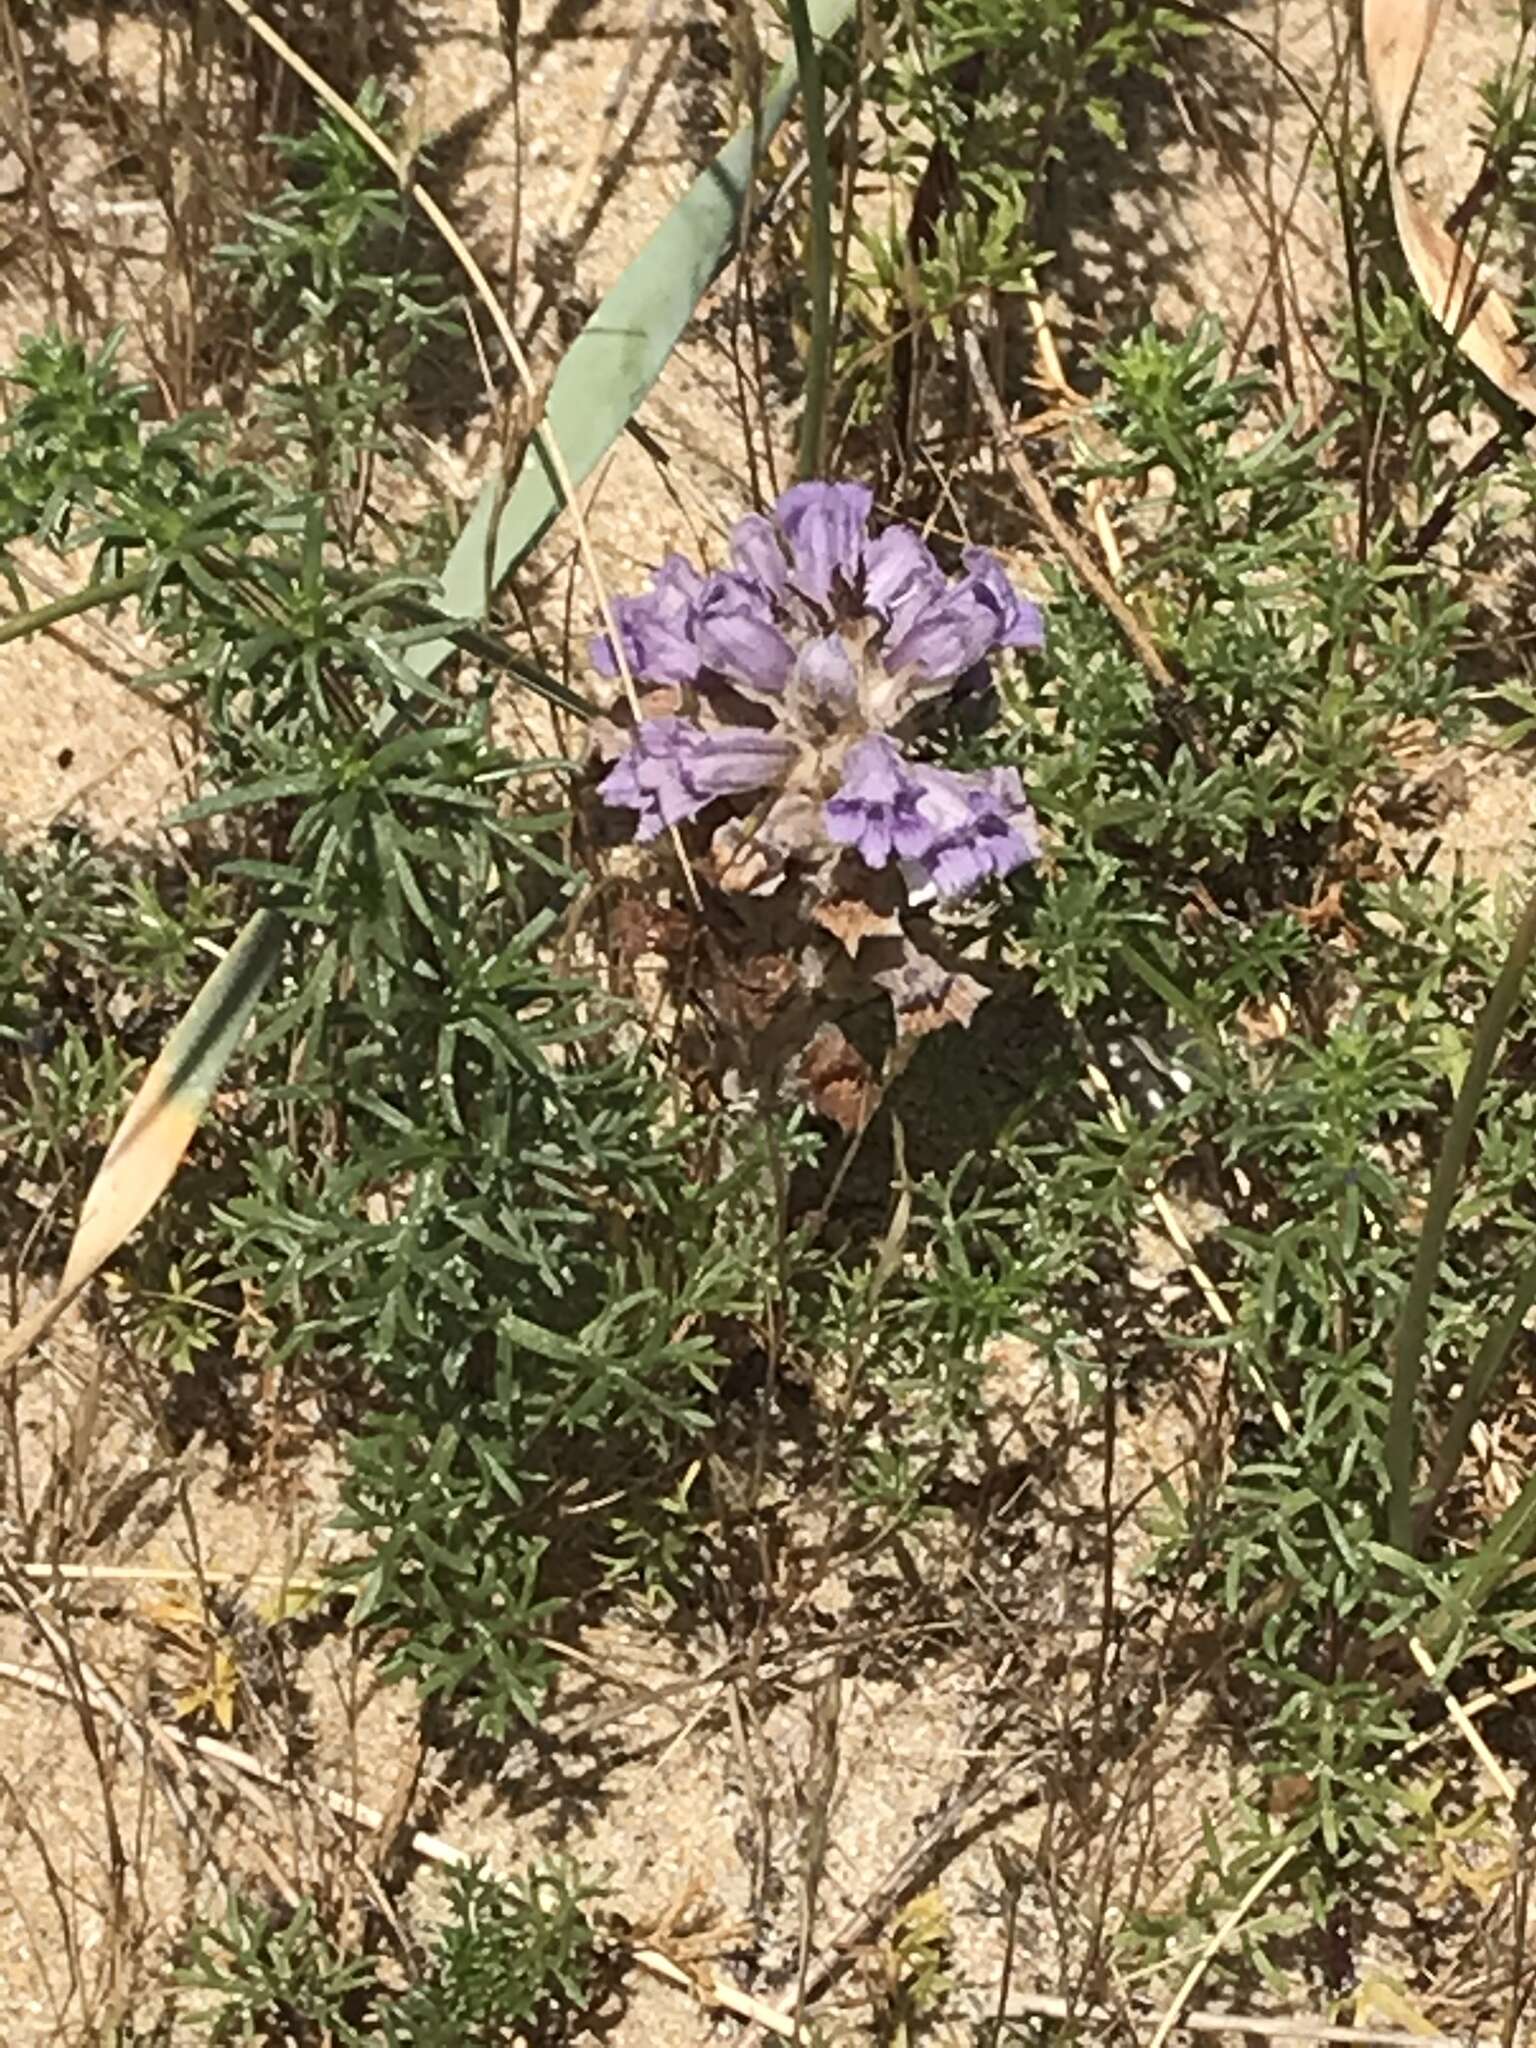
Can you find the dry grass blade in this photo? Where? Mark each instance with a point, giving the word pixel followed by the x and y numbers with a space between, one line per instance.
pixel 1462 1722
pixel 1239 1913
pixel 150 1141
pixel 1396 36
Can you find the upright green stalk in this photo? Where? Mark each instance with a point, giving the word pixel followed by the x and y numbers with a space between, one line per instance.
pixel 813 424
pixel 1481 1377
pixel 1413 1324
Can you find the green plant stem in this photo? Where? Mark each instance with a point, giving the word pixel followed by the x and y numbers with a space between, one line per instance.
pixel 113 591
pixel 470 638
pixel 1413 1324
pixel 813 421
pixel 1473 1398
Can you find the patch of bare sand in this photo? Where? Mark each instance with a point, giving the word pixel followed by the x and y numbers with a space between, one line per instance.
pixel 78 746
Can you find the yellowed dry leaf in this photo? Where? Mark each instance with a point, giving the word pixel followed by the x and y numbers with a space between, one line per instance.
pixel 154 1134
pixel 852 920
pixel 1397 35
pixel 1379 1999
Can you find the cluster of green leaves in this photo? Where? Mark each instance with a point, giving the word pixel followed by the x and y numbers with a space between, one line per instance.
pixel 508 1957
pixel 460 1198
pixel 978 102
pixel 345 312
pixel 97 960
pixel 476 1196
pixel 1219 884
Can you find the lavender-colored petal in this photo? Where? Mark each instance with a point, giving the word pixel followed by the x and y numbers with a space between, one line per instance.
pixel 874 773
pixel 957 868
pixel 887 806
pixel 825 669
pixel 673 769
pixel 725 763
pixel 657 629
pixel 899 572
pixel 826 526
pixel 757 554
pixel 737 635
pixel 945 800
pixel 943 636
pixel 651 777
pixel 1020 622
pixel 998 835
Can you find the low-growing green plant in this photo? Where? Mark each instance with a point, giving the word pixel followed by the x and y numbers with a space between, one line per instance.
pixel 980 103
pixel 507 1957
pixel 274 1979
pixel 1249 904
pixel 461 1196
pixel 344 311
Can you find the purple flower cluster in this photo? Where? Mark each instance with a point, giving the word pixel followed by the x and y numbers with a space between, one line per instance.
pixel 796 670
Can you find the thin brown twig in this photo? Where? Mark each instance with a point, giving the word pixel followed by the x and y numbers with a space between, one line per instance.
pixel 1077 557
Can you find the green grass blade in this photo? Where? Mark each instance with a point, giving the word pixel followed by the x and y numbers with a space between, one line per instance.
pixel 813 422
pixel 618 355
pixel 1401 1444
pixel 1481 1378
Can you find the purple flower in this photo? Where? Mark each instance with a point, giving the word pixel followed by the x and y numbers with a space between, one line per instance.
pixel 826 526
pixel 886 807
pixel 837 636
pixel 673 768
pixel 999 835
pixel 1020 623
pixel 826 670
pixel 942 635
pixel 942 631
pixel 657 630
pixel 737 636
pixel 955 831
pixel 899 574
pixel 757 554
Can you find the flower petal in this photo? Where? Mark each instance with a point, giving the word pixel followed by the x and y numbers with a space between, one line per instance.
pixel 877 809
pixel 899 572
pixel 825 668
pixel 1020 623
pixel 673 768
pixel 757 554
pixel 826 526
pixel 737 634
pixel 657 629
pixel 943 635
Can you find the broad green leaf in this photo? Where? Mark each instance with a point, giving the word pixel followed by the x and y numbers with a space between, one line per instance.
pixel 618 356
